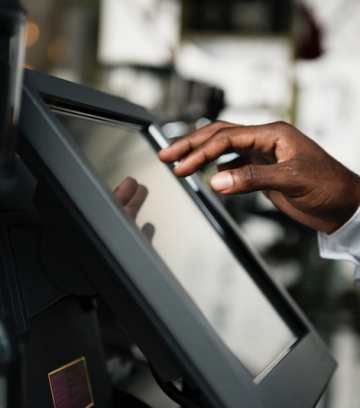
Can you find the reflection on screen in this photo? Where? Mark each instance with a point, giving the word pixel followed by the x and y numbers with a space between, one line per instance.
pixel 186 241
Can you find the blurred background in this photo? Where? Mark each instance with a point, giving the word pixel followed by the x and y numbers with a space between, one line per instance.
pixel 247 61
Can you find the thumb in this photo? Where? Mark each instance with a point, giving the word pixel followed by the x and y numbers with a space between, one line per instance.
pixel 253 178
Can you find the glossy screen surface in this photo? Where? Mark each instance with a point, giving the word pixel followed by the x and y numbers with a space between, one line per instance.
pixel 186 241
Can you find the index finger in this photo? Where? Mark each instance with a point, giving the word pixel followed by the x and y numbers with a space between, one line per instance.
pixel 185 145
pixel 242 139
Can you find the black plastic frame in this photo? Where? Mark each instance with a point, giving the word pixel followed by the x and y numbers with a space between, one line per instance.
pixel 296 381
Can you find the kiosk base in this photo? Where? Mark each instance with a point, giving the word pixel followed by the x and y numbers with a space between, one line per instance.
pixel 64 359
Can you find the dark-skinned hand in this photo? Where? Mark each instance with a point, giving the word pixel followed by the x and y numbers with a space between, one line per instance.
pixel 295 173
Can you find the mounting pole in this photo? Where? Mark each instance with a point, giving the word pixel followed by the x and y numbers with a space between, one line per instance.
pixel 12 52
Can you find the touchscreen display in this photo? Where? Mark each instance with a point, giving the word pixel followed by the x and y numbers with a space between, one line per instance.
pixel 185 240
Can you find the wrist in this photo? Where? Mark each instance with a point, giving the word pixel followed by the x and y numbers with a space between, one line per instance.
pixel 351 203
pixel 357 190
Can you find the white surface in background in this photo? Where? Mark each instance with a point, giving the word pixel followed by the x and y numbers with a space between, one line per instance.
pixel 252 72
pixel 329 106
pixel 329 88
pixel 329 111
pixel 139 87
pixel 138 31
pixel 262 233
pixel 253 116
pixel 340 22
pixel 345 384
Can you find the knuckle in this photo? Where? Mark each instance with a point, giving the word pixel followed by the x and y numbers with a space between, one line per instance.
pixel 219 139
pixel 282 127
pixel 189 141
pixel 222 136
pixel 204 153
pixel 286 134
pixel 292 169
pixel 220 133
pixel 244 178
pixel 250 174
pixel 211 150
pixel 281 124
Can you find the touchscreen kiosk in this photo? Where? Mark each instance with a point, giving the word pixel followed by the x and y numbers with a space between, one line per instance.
pixel 194 283
pixel 195 254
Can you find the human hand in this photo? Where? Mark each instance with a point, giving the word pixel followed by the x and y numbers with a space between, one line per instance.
pixel 131 196
pixel 295 173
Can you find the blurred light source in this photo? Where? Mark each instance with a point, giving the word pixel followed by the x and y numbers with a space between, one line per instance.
pixel 32 33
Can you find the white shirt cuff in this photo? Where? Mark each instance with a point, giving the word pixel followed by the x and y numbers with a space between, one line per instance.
pixel 344 243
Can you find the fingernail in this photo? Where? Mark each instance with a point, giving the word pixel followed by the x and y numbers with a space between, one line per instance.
pixel 222 181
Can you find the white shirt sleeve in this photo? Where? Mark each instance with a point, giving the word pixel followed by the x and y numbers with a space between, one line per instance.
pixel 344 243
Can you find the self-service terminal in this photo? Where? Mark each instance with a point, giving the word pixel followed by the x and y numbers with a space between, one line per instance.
pixel 106 223
pixel 96 233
